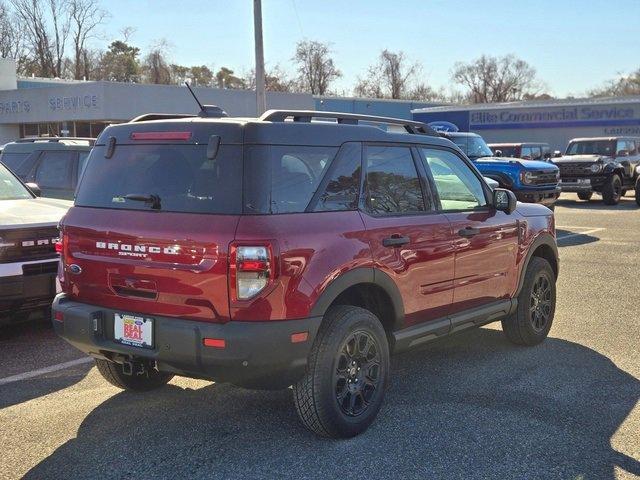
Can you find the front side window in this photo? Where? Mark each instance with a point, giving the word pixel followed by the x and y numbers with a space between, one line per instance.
pixel 392 183
pixel 527 153
pixel 457 185
pixel 283 178
pixel 16 162
pixel 54 169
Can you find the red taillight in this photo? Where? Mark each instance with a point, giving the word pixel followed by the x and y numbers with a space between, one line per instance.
pixel 59 246
pixel 250 269
pixel 214 342
pixel 160 135
pixel 58 316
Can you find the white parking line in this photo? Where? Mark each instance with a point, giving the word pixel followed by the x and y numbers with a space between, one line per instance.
pixel 42 371
pixel 586 232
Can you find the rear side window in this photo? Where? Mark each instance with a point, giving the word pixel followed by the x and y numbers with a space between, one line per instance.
pixel 283 178
pixel 16 162
pixel 181 176
pixel 54 169
pixel 393 186
pixel 341 186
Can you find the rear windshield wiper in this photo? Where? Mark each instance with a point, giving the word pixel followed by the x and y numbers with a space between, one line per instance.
pixel 152 199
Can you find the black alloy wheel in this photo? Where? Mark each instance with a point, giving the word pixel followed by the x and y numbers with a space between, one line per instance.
pixel 540 305
pixel 357 373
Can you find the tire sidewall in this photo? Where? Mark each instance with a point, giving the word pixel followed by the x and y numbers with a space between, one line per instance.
pixel 539 267
pixel 347 426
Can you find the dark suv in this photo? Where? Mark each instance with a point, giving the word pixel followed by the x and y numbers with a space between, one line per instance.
pixel 284 251
pixel 53 163
pixel 604 165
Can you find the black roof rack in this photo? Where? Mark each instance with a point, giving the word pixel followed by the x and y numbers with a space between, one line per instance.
pixel 346 118
pixel 91 141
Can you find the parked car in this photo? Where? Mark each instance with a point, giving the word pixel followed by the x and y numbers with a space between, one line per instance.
pixel 28 260
pixel 284 251
pixel 54 163
pixel 603 165
pixel 526 151
pixel 531 181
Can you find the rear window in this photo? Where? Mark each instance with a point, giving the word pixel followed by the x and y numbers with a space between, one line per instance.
pixel 283 179
pixel 181 176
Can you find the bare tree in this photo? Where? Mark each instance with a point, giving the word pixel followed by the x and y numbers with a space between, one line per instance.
pixel 624 85
pixel 393 76
pixel 493 79
pixel 86 17
pixel 11 38
pixel 155 65
pixel 275 80
pixel 315 66
pixel 47 42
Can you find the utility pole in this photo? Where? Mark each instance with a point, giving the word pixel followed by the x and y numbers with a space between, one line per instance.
pixel 261 99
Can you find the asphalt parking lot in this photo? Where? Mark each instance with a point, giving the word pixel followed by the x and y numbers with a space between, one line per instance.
pixel 472 406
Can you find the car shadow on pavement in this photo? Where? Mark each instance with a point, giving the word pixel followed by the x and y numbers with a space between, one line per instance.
pixel 473 406
pixel 569 238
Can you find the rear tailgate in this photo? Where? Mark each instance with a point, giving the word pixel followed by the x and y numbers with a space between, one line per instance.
pixel 154 214
pixel 166 264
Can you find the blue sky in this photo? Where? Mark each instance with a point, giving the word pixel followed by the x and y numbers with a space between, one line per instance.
pixel 574 45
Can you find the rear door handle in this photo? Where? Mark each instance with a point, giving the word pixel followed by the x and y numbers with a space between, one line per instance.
pixel 468 232
pixel 395 241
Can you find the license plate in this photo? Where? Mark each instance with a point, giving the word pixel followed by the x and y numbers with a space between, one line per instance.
pixel 134 331
pixel 584 181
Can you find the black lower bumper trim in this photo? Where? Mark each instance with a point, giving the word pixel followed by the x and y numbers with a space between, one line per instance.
pixel 544 197
pixel 257 354
pixel 20 292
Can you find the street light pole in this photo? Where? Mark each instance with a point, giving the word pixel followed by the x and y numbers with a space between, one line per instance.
pixel 261 99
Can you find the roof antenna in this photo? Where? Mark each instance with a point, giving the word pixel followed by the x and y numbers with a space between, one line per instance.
pixel 194 96
pixel 208 111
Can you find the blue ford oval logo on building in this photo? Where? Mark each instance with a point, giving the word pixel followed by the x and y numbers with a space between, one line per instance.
pixel 443 126
pixel 75 269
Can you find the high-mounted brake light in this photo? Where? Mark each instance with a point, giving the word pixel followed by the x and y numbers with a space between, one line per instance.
pixel 160 135
pixel 251 270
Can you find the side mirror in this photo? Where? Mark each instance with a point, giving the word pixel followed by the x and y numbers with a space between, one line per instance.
pixel 557 154
pixel 35 189
pixel 498 153
pixel 547 155
pixel 491 182
pixel 504 200
pixel 622 153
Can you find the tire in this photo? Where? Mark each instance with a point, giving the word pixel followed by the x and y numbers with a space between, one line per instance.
pixel 586 196
pixel 531 322
pixel 327 398
pixel 150 380
pixel 638 191
pixel 612 190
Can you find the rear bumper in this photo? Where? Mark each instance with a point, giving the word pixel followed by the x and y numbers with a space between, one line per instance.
pixel 256 354
pixel 544 197
pixel 27 285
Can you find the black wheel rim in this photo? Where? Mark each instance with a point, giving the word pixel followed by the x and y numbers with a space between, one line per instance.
pixel 541 303
pixel 357 373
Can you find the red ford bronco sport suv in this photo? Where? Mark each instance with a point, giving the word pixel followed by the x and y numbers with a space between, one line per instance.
pixel 284 251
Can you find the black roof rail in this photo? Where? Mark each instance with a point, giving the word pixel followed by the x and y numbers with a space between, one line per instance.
pixel 160 116
pixel 54 139
pixel 346 118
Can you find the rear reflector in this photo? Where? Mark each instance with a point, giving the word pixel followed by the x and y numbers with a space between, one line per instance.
pixel 160 135
pixel 58 316
pixel 214 342
pixel 299 337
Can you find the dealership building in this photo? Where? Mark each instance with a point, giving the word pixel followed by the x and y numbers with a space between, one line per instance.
pixel 31 107
pixel 551 121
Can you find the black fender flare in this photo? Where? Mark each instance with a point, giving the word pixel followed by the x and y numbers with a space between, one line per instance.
pixel 542 239
pixel 361 275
